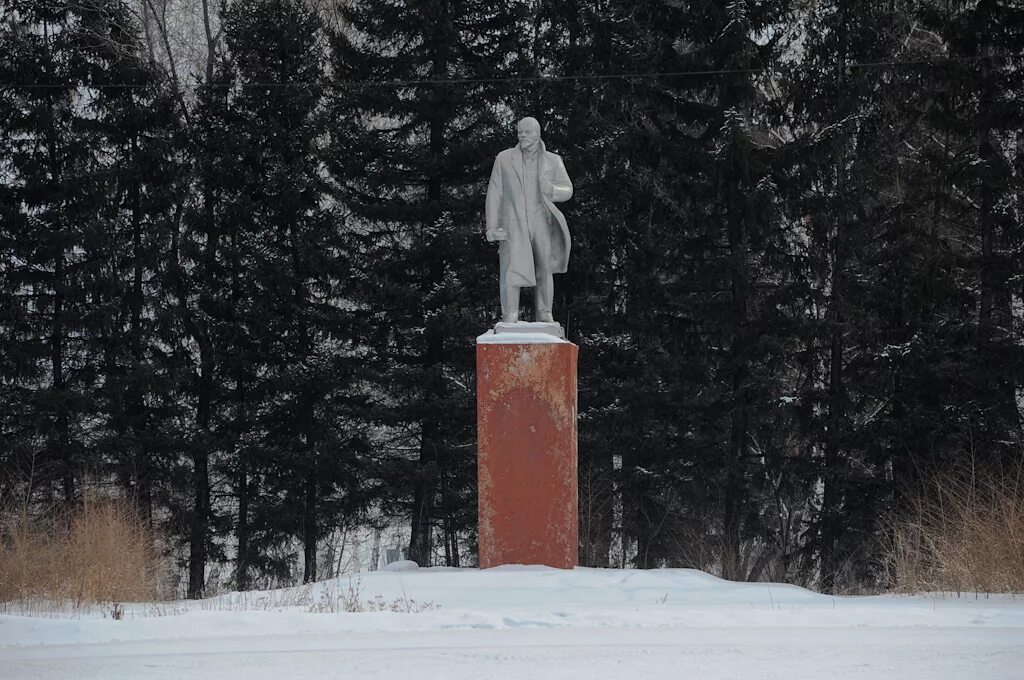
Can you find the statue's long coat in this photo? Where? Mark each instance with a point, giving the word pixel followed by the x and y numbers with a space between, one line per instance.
pixel 506 208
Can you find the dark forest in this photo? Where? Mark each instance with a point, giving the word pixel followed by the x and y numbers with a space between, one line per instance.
pixel 241 276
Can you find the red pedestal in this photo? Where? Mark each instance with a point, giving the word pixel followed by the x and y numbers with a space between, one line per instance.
pixel 526 453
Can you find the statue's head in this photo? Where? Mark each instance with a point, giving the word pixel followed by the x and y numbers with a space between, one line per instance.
pixel 528 130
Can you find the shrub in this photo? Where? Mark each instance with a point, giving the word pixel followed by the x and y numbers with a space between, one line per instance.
pixel 965 535
pixel 102 553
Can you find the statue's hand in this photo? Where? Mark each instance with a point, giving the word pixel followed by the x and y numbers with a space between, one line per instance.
pixel 547 187
pixel 499 234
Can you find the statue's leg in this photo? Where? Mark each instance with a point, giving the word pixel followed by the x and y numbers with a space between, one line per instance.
pixel 509 295
pixel 511 304
pixel 544 293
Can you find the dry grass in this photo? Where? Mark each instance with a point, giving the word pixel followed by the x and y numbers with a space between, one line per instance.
pixel 965 535
pixel 101 554
pixel 328 597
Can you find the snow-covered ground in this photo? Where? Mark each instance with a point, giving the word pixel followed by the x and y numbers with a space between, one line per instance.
pixel 529 623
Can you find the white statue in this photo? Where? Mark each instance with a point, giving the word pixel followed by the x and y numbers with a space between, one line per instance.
pixel 526 182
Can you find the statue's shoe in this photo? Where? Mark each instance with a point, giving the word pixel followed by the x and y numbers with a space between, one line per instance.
pixel 545 318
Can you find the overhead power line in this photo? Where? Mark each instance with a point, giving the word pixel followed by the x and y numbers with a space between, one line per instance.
pixel 541 79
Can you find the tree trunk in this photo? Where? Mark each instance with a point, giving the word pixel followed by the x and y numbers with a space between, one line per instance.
pixel 199 528
pixel 62 419
pixel 135 401
pixel 310 528
pixel 242 528
pixel 421 539
pixel 59 386
pixel 735 481
pixel 426 476
pixel 831 493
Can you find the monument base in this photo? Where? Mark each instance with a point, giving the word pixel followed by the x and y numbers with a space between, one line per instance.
pixel 526 448
pixel 545 327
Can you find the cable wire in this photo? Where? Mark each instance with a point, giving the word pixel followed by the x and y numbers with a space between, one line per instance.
pixel 524 79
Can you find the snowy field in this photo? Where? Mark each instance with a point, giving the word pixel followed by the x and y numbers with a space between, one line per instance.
pixel 529 623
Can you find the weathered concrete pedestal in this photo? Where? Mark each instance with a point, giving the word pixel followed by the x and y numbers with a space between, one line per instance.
pixel 526 446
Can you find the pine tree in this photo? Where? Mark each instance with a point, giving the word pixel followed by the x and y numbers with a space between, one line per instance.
pixel 836 121
pixel 198 285
pixel 975 112
pixel 52 220
pixel 677 221
pixel 92 151
pixel 138 127
pixel 289 257
pixel 411 162
pixel 880 168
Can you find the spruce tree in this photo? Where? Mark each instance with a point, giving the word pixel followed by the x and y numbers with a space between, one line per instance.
pixel 840 126
pixel 197 284
pixel 292 351
pixel 52 220
pixel 975 112
pixel 676 219
pixel 139 129
pixel 410 155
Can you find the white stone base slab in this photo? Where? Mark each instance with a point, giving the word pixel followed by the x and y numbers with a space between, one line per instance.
pixel 546 327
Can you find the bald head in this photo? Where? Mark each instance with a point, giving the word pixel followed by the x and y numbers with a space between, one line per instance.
pixel 529 122
pixel 528 131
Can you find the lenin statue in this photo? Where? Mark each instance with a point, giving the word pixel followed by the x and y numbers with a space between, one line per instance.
pixel 525 184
